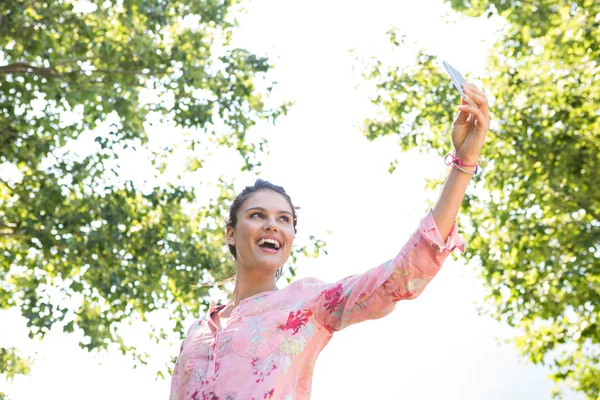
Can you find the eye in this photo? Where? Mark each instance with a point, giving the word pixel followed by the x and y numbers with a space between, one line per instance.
pixel 256 213
pixel 285 218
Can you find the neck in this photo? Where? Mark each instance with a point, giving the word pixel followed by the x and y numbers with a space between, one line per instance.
pixel 249 283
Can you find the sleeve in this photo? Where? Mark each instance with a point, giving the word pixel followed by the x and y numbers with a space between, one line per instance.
pixel 175 375
pixel 373 294
pixel 174 380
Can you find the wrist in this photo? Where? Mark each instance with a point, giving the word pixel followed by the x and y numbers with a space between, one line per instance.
pixel 469 162
pixel 465 167
pixel 464 171
pixel 468 159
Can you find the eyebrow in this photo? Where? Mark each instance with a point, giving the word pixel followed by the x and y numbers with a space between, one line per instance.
pixel 263 210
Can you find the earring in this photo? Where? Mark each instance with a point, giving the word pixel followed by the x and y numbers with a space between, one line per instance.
pixel 278 274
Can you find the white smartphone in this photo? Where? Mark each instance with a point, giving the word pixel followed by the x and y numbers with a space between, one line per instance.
pixel 458 80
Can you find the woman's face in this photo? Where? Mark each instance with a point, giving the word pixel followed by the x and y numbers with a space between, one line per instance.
pixel 264 231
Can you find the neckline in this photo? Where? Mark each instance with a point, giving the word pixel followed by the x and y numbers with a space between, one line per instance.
pixel 243 301
pixel 259 294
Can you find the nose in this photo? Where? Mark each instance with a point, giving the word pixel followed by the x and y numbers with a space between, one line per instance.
pixel 270 225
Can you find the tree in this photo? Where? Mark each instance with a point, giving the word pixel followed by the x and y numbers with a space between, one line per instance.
pixel 536 208
pixel 78 248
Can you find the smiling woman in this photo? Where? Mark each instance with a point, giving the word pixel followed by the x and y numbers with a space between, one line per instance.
pixel 263 344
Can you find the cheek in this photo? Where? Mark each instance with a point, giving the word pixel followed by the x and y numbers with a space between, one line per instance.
pixel 248 230
pixel 290 236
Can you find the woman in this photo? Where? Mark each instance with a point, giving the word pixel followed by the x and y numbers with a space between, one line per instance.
pixel 264 342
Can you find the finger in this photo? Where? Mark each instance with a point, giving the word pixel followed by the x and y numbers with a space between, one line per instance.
pixel 462 116
pixel 469 101
pixel 477 96
pixel 480 101
pixel 474 88
pixel 477 113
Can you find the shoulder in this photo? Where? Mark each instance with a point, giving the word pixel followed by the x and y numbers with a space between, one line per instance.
pixel 309 285
pixel 196 324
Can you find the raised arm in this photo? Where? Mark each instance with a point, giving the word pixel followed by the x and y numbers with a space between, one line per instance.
pixel 373 294
pixel 468 135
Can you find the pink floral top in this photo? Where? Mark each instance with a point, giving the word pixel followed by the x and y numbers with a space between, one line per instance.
pixel 268 347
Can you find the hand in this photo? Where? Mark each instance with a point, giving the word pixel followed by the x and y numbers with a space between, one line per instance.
pixel 471 125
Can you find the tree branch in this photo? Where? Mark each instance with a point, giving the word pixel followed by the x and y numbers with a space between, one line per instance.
pixel 6 184
pixel 24 68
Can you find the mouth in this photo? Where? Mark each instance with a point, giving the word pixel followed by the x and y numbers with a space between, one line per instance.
pixel 269 245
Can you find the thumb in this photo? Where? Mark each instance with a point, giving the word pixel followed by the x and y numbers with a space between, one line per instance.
pixel 462 115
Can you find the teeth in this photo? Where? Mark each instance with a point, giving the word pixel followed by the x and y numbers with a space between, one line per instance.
pixel 273 242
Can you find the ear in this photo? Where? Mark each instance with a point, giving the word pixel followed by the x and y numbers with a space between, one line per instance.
pixel 230 236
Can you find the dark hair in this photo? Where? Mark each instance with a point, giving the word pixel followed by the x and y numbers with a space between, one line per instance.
pixel 245 194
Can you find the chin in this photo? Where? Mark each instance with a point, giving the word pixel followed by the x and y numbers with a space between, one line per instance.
pixel 274 260
pixel 271 265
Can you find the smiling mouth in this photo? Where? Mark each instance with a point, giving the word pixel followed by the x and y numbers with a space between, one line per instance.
pixel 269 245
pixel 269 250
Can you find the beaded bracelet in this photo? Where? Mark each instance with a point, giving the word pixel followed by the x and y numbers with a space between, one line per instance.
pixel 456 163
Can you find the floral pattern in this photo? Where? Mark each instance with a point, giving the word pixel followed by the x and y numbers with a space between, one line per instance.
pixel 332 297
pixel 262 368
pixel 270 344
pixel 296 320
pixel 292 346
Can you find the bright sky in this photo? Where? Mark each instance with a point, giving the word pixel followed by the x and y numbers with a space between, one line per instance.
pixel 434 347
